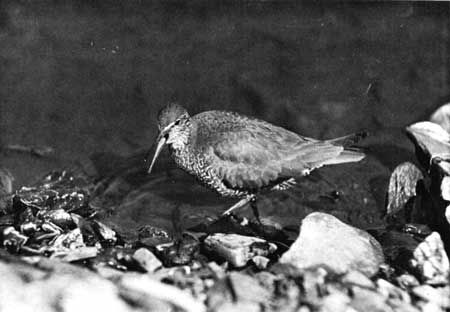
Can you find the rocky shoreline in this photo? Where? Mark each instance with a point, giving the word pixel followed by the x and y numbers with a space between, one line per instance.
pixel 63 252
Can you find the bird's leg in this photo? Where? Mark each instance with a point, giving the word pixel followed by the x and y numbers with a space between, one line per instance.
pixel 255 209
pixel 244 201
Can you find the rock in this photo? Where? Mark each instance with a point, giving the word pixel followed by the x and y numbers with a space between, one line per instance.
pixel 143 290
pixel 77 254
pixel 107 236
pixel 237 288
pixel 313 282
pixel 147 260
pixel 431 261
pixel 407 281
pixel 368 300
pixel 238 249
pixel 402 186
pixel 238 307
pixel 431 141
pixel 50 285
pixel 326 241
pixel 439 296
pixel 356 278
pixel 442 117
pixel 337 302
pixel 260 262
pixel 391 292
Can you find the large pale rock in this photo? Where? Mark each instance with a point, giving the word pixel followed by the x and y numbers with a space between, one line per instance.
pixel 326 241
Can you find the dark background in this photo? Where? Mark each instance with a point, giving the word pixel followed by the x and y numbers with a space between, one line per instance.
pixel 89 76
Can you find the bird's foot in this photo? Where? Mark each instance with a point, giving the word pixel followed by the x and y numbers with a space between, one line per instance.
pixel 244 201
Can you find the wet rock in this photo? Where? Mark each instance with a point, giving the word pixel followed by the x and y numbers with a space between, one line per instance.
pixel 326 241
pixel 147 260
pixel 431 261
pixel 442 117
pixel 402 187
pixel 439 296
pixel 238 249
pixel 108 237
pixel 151 236
pixel 13 240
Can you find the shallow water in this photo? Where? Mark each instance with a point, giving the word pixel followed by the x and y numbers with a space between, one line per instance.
pixel 88 78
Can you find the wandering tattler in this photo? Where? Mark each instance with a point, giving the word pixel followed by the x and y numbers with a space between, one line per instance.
pixel 239 156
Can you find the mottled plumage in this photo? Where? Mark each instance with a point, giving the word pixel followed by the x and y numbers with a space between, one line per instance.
pixel 239 156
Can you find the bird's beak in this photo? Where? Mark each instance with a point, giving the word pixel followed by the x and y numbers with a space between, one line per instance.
pixel 161 140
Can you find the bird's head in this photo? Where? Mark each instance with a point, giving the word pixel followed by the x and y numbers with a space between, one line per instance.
pixel 173 121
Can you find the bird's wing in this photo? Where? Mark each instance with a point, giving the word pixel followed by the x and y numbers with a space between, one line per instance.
pixel 253 154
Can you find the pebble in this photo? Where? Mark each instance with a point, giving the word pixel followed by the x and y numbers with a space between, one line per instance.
pixel 238 249
pixel 147 260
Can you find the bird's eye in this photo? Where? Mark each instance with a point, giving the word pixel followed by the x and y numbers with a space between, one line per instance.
pixel 177 122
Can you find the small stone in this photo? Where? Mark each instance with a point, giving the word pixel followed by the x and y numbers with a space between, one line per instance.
pixel 107 235
pixel 357 278
pixel 326 241
pixel 431 261
pixel 406 281
pixel 147 260
pixel 402 186
pixel 439 296
pixel 260 262
pixel 77 254
pixel 238 249
pixel 389 291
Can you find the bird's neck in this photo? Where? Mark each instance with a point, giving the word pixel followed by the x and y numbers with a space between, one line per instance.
pixel 180 141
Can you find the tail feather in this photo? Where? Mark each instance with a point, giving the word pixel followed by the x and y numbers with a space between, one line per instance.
pixel 348 140
pixel 346 156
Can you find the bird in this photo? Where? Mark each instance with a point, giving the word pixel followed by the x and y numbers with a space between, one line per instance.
pixel 240 156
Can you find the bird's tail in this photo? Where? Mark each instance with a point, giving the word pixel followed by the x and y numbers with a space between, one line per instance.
pixel 346 156
pixel 350 152
pixel 349 140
